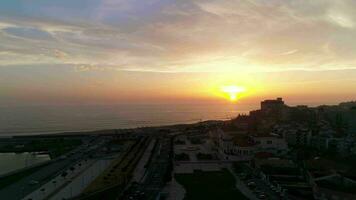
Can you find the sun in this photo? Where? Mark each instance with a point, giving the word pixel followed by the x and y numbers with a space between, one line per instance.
pixel 233 91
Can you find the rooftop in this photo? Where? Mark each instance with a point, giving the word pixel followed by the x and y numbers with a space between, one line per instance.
pixel 338 184
pixel 243 141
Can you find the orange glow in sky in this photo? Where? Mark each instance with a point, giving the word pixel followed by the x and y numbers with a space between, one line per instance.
pixel 233 91
pixel 110 52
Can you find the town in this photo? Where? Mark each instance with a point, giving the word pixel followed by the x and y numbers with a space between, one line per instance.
pixel 276 152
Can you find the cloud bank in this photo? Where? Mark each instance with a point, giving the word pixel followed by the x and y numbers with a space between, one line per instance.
pixel 180 35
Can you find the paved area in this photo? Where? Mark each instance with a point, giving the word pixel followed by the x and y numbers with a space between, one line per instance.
pixel 187 168
pixel 174 190
pixel 71 185
pixel 185 148
pixel 34 181
pixel 193 149
pixel 177 192
pixel 263 187
pixel 183 167
pixel 24 186
pixel 240 185
pixel 260 186
pixel 74 186
pixel 54 185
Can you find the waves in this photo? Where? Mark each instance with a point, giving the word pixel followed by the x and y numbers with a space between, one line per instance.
pixel 54 119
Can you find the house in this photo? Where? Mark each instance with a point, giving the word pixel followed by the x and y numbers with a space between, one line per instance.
pixel 344 146
pixel 244 147
pixel 235 144
pixel 294 134
pixel 270 143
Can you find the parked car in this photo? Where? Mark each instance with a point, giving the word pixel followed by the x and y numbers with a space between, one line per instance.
pixel 33 182
pixel 262 196
pixel 251 184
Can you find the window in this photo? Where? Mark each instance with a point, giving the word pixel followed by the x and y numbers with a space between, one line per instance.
pixel 245 152
pixel 269 142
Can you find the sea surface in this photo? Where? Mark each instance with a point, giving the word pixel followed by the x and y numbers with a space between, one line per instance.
pixel 26 120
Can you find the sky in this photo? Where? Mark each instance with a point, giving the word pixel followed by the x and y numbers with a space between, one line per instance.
pixel 169 51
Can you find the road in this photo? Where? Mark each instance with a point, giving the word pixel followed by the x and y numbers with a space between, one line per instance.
pixel 76 184
pixel 140 170
pixel 23 187
pixel 240 185
pixel 154 180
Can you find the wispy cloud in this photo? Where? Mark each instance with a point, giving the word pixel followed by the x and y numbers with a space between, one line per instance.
pixel 180 36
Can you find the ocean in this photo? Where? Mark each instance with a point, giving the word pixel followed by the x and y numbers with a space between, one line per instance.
pixel 27 120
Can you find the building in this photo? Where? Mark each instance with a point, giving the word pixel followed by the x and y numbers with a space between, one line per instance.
pixel 238 145
pixel 344 146
pixel 294 134
pixel 335 187
pixel 244 147
pixel 271 112
pixel 320 142
pixel 272 105
pixel 226 144
pixel 270 143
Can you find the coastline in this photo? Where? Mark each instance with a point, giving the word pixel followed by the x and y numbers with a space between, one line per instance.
pixel 44 132
pixel 52 120
pixel 100 131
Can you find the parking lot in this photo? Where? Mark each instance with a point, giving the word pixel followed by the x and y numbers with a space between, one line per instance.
pixel 257 186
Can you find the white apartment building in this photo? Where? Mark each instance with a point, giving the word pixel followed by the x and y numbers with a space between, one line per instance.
pixel 270 143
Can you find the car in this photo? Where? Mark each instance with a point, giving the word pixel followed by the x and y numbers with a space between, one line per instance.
pixel 64 174
pixel 241 174
pixel 251 184
pixel 257 191
pixel 262 196
pixel 243 177
pixel 33 182
pixel 274 189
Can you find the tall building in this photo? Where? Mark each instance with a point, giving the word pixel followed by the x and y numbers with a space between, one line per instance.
pixel 272 105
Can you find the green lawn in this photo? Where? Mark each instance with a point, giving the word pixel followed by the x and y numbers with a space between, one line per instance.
pixel 209 185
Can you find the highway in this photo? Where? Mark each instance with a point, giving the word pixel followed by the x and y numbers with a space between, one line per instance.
pixel 34 181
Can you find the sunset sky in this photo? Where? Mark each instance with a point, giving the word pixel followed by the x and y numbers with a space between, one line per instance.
pixel 154 51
